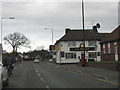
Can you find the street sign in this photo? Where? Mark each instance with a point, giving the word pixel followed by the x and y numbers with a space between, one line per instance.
pixel 82 49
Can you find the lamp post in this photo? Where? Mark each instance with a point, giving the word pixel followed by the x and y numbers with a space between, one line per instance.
pixel 2 27
pixel 52 43
pixel 52 33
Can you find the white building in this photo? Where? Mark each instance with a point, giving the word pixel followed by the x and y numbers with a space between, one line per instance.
pixel 73 39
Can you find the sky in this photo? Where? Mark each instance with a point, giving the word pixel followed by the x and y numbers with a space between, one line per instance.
pixel 33 16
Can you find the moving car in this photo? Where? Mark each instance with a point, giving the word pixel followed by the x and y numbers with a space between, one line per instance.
pixel 36 60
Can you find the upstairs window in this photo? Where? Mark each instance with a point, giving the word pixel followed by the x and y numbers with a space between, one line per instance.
pixel 103 48
pixel 71 43
pixel 108 48
pixel 92 43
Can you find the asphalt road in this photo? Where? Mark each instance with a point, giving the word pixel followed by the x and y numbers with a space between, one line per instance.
pixel 45 75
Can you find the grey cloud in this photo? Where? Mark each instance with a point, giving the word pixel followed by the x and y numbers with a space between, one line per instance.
pixel 32 18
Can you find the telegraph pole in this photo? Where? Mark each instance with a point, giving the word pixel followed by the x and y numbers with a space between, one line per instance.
pixel 83 57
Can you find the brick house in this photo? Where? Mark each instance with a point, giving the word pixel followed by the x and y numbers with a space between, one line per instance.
pixel 110 46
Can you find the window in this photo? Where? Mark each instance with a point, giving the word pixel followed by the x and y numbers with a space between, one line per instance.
pixel 92 54
pixel 115 46
pixel 62 54
pixel 98 53
pixel 92 43
pixel 108 48
pixel 70 55
pixel 54 53
pixel 71 43
pixel 103 48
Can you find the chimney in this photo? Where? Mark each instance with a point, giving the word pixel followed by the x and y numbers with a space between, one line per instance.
pixel 95 29
pixel 67 30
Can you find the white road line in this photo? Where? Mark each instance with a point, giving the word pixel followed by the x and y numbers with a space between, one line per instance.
pixel 14 68
pixel 38 74
pixel 47 87
pixel 42 79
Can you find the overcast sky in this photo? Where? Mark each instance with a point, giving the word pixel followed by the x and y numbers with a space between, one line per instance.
pixel 32 16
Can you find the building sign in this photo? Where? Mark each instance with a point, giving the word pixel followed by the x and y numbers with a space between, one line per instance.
pixel 82 45
pixel 82 49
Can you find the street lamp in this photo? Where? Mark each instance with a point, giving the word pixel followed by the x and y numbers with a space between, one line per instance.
pixel 52 33
pixel 52 40
pixel 1 25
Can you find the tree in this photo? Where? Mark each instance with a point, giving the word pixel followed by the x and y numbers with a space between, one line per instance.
pixel 17 40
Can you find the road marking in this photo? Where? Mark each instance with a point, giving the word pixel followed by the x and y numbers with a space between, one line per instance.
pixel 84 74
pixel 108 81
pixel 57 66
pixel 100 76
pixel 42 79
pixel 47 87
pixel 38 74
pixel 14 68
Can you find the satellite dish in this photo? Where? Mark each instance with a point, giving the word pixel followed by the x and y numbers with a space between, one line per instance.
pixel 98 25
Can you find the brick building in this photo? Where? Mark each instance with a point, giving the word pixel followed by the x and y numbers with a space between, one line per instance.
pixel 110 46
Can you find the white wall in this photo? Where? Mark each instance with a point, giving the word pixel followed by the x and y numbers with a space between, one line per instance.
pixel 66 49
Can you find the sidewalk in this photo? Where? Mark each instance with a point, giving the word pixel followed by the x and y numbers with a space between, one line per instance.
pixel 94 72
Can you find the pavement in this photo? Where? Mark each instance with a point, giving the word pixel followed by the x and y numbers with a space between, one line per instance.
pixel 98 73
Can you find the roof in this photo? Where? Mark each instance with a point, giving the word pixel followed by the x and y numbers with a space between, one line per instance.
pixel 77 35
pixel 113 36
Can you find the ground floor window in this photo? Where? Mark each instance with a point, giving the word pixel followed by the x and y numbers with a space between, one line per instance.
pixel 70 55
pixel 92 54
pixel 62 54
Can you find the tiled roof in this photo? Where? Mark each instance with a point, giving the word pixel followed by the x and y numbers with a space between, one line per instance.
pixel 77 35
pixel 113 36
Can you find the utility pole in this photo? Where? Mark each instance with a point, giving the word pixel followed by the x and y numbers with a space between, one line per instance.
pixel 83 57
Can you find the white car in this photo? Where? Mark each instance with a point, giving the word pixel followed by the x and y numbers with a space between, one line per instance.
pixel 50 60
pixel 3 76
pixel 36 60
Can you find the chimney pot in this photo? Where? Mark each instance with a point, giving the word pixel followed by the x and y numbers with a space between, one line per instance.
pixel 67 30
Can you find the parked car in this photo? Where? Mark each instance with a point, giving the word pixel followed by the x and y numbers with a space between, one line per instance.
pixel 36 61
pixel 4 79
pixel 50 60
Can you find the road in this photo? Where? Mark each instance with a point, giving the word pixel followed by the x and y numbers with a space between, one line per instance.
pixel 45 75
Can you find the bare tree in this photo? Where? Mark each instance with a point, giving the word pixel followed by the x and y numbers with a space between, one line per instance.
pixel 17 40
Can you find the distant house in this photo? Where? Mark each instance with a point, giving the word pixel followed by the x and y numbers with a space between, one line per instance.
pixel 67 47
pixel 110 46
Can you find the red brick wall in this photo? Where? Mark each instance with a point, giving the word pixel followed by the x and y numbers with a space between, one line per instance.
pixel 108 56
pixel 119 50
